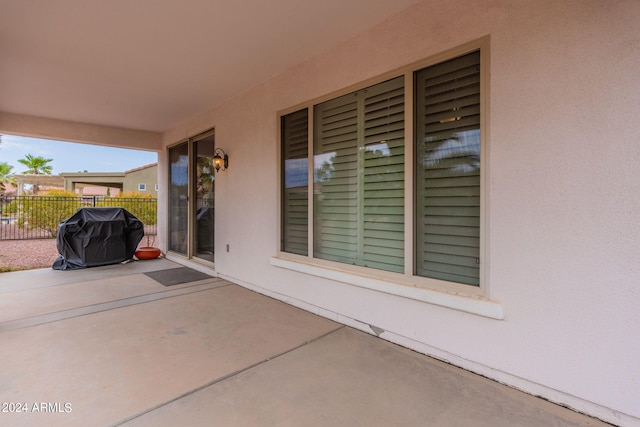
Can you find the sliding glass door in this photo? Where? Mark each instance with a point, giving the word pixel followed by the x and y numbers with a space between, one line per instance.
pixel 179 198
pixel 191 198
pixel 204 189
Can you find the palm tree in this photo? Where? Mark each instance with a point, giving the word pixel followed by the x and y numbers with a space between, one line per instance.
pixel 5 170
pixel 36 165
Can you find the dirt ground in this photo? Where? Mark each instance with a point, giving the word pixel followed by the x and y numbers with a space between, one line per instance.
pixel 27 254
pixel 39 253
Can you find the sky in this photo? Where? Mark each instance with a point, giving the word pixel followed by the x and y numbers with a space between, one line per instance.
pixel 72 157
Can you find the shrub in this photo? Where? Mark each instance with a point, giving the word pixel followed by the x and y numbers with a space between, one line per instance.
pixel 10 208
pixel 142 206
pixel 46 212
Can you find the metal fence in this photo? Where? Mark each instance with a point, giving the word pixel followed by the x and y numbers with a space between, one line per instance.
pixel 37 217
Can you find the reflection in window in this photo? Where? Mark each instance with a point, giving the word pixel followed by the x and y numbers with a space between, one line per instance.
pixel 204 188
pixel 295 215
pixel 359 177
pixel 178 197
pixel 448 170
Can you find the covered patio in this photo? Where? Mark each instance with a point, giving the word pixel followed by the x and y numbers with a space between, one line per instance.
pixel 456 178
pixel 113 346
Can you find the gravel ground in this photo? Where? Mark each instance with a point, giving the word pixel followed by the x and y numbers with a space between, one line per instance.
pixel 40 253
pixel 27 254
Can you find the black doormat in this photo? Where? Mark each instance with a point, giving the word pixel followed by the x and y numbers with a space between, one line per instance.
pixel 177 276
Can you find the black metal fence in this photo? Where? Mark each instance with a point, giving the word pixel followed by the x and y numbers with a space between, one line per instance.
pixel 37 217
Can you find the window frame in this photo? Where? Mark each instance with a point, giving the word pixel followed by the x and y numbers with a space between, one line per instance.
pixel 332 269
pixel 461 222
pixel 142 187
pixel 355 229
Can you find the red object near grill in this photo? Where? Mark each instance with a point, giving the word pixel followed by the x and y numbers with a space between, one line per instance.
pixel 147 252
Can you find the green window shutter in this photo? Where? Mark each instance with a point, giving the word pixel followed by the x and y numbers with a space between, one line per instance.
pixel 383 177
pixel 336 180
pixel 448 170
pixel 295 170
pixel 359 177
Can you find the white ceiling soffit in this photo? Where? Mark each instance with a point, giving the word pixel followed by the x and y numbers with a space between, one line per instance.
pixel 151 64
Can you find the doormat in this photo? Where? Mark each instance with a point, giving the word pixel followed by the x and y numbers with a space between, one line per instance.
pixel 177 276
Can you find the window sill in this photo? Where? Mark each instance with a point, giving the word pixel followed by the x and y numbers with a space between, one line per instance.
pixel 465 303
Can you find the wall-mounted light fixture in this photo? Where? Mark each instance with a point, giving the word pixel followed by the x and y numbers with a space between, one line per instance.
pixel 220 162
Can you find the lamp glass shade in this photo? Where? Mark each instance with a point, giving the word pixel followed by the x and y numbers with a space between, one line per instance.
pixel 217 162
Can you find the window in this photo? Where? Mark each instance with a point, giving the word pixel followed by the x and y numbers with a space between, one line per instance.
pixel 359 177
pixel 448 170
pixel 156 187
pixel 295 216
pixel 142 187
pixel 359 214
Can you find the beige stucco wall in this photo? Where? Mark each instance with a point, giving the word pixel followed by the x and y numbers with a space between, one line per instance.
pixel 562 192
pixel 562 239
pixel 61 130
pixel 78 181
pixel 143 175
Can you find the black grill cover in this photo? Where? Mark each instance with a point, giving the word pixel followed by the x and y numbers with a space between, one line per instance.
pixel 97 236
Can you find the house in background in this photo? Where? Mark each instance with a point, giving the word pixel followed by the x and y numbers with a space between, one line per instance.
pixel 143 180
pixel 25 183
pixel 93 183
pixel 10 190
pixel 471 167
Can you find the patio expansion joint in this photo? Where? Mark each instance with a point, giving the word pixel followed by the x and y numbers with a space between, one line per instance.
pixel 230 375
pixel 57 316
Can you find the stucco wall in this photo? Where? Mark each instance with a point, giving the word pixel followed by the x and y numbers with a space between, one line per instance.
pixel 563 187
pixel 38 127
pixel 147 175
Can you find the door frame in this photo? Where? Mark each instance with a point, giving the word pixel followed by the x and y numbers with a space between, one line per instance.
pixel 190 253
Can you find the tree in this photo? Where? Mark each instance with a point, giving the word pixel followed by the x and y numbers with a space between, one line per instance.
pixel 204 182
pixel 5 171
pixel 36 165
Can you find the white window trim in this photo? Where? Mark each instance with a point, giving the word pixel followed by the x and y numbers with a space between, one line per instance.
pixel 364 279
pixel 142 187
pixel 461 297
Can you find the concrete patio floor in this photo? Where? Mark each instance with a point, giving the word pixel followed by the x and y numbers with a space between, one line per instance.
pixel 110 346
